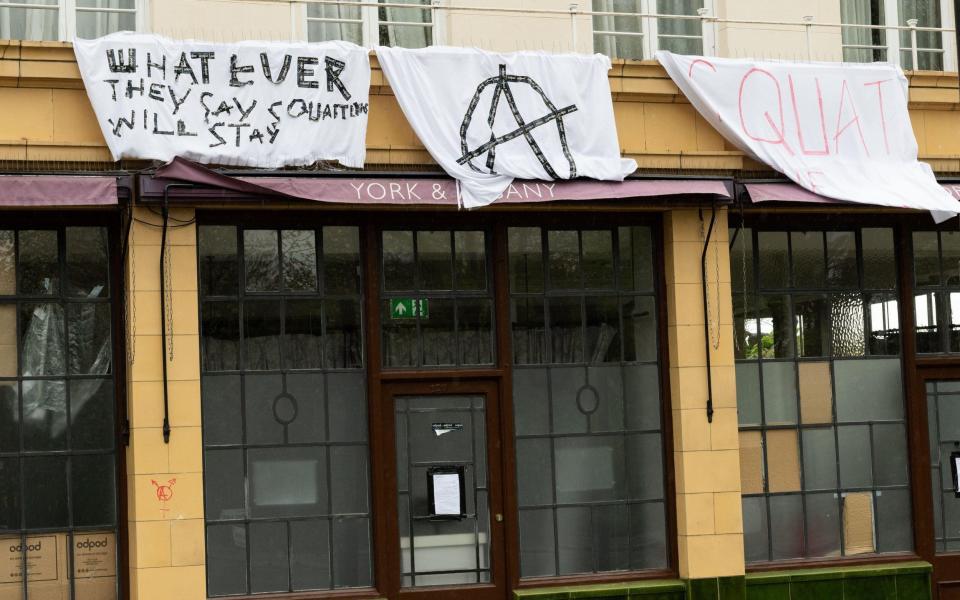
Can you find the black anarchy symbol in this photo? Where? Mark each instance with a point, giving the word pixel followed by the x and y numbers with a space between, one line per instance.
pixel 503 81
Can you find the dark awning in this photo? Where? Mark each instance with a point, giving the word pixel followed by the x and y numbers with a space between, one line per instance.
pixel 57 190
pixel 380 190
pixel 791 192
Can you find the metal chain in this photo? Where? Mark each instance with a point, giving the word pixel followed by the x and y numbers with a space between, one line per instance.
pixel 131 303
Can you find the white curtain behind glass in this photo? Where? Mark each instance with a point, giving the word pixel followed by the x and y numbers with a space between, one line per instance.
pixel 686 27
pixel 618 46
pixel 409 36
pixel 322 31
pixel 862 12
pixel 927 14
pixel 30 23
pixel 101 21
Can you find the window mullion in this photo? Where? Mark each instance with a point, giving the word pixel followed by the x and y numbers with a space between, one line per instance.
pixel 891 15
pixel 67 26
pixel 371 26
pixel 650 28
pixel 947 41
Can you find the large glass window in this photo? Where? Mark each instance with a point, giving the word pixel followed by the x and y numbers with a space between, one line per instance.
pixel 42 19
pixel 866 40
pixel 284 410
pixel 589 445
pixel 58 460
pixel 936 272
pixel 388 25
pixel 823 441
pixel 437 299
pixel 619 31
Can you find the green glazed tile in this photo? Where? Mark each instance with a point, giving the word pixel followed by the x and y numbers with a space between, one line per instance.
pixel 913 586
pixel 732 588
pixel 768 591
pixel 703 589
pixel 870 588
pixel 816 590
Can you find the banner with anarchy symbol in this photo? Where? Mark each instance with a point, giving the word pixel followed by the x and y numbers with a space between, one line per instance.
pixel 488 118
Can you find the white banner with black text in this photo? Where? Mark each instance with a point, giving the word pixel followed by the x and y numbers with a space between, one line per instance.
pixel 256 104
pixel 840 130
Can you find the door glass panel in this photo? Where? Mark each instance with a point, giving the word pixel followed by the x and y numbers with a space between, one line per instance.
pixel 943 421
pixel 442 490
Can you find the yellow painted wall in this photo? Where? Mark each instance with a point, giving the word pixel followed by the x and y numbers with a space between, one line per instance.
pixel 167 556
pixel 47 117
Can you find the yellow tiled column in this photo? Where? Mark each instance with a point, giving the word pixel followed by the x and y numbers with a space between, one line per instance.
pixel 164 481
pixel 707 462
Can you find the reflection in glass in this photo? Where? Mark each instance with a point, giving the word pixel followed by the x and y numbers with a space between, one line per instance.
pixel 261 334
pixel 261 260
pixel 303 334
pixel 341 260
pixel 87 263
pixel 526 259
pixel 39 267
pixel 435 260
pixel 299 259
pixel 218 260
pixel 926 258
pixel 471 260
pixel 563 260
pixel 529 331
pixel 774 258
pixel 566 330
pixel 812 318
pixel 807 251
pixel 597 259
pixel 398 266
pixel 842 259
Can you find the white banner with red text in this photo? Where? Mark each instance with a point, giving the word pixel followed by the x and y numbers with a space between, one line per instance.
pixel 837 129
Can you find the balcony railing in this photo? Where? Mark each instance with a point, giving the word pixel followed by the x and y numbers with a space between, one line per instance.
pixel 808 26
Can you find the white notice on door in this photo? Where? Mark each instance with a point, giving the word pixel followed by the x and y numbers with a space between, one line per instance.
pixel 446 493
pixel 956 472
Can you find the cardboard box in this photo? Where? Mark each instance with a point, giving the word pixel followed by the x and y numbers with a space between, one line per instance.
pixel 858 534
pixel 751 462
pixel 783 460
pixel 816 393
pixel 48 572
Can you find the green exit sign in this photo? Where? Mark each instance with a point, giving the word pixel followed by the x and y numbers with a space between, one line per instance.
pixel 409 308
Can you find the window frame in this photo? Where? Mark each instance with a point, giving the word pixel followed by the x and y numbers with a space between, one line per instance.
pixel 915 367
pixel 67 15
pixel 379 379
pixel 111 223
pixel 369 21
pixel 649 30
pixel 891 18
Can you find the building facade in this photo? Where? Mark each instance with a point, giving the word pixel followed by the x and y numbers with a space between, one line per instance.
pixel 708 392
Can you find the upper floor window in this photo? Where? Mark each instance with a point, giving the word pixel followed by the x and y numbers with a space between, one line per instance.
pixel 370 25
pixel 65 19
pixel 864 40
pixel 622 30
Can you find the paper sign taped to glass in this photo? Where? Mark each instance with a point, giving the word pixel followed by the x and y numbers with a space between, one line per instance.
pixel 840 130
pixel 445 492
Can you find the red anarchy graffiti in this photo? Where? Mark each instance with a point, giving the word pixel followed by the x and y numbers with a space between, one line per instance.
pixel 164 492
